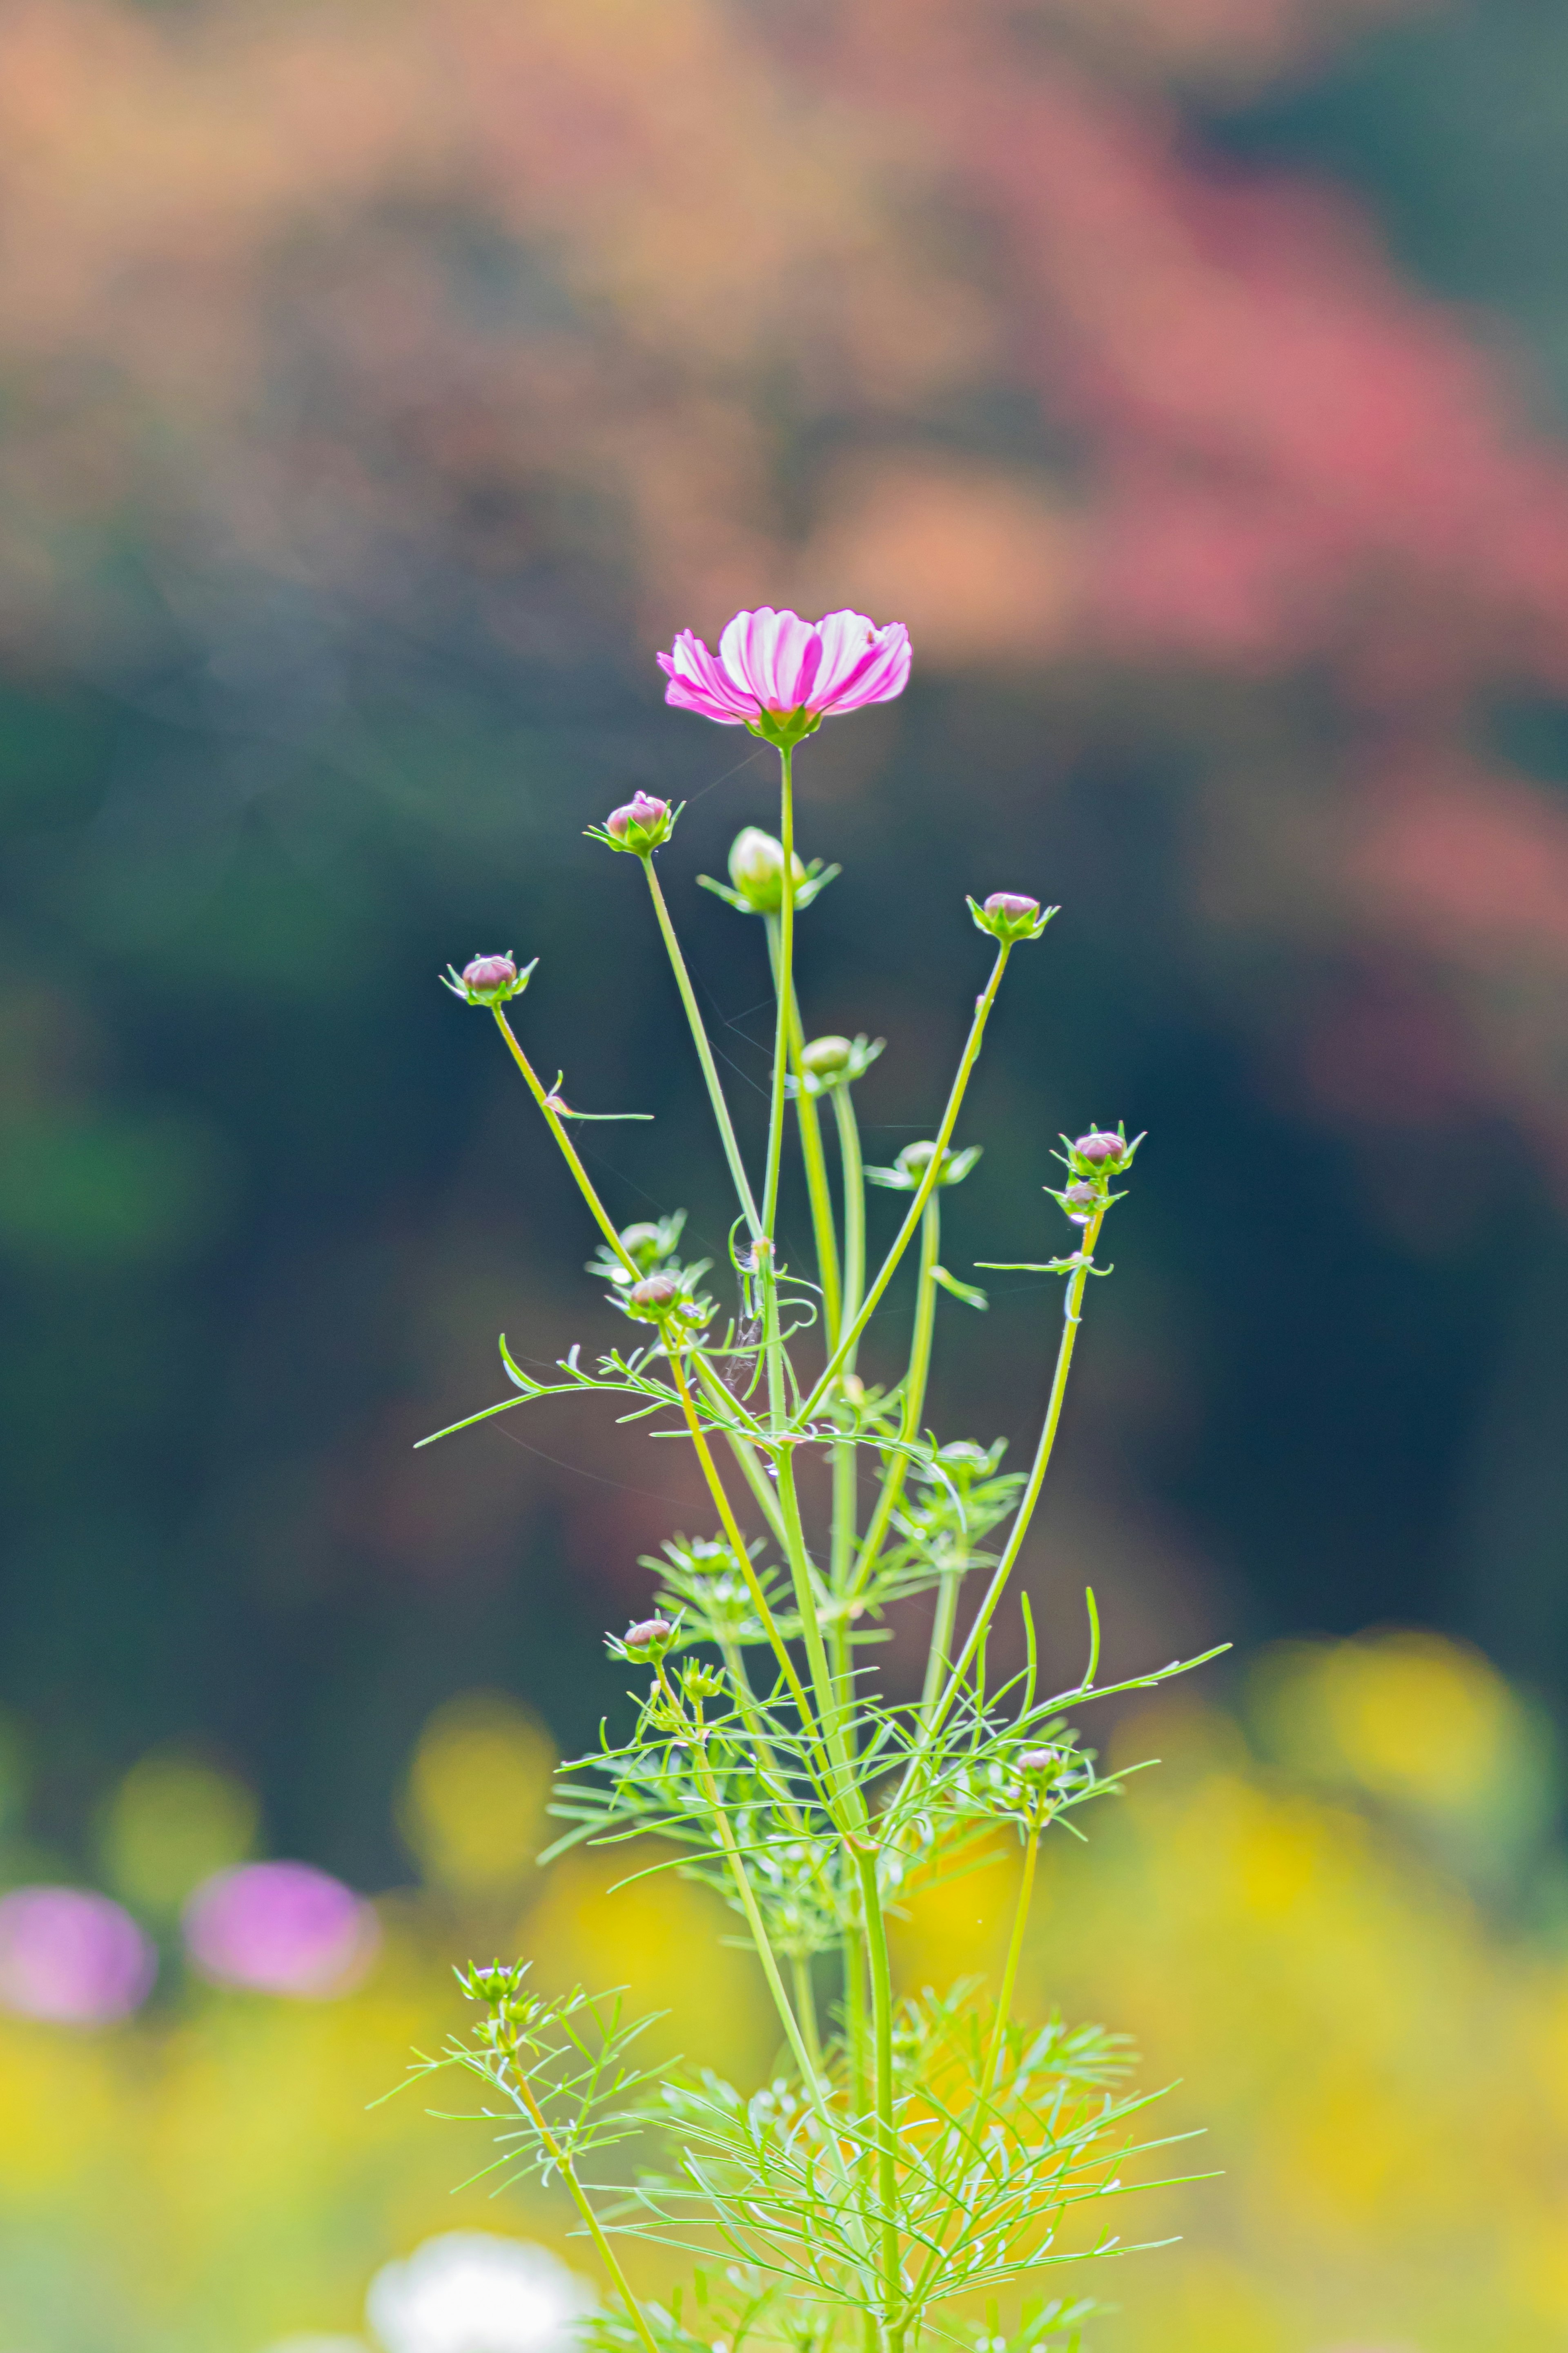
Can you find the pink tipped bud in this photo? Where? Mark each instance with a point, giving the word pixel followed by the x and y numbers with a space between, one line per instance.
pixel 641 824
pixel 655 1293
pixel 1038 1760
pixel 1010 915
pixel 645 1636
pixel 490 977
pixel 1101 1149
pixel 1080 1201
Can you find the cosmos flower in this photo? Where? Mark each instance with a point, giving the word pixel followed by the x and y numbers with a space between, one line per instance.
pixel 781 676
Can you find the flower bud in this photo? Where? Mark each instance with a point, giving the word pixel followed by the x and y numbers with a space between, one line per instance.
pixel 824 1057
pixel 756 870
pixel 641 824
pixel 654 1294
pixel 641 1242
pixel 1080 1201
pixel 648 1634
pixel 489 977
pixel 1100 1148
pixel 1038 1760
pixel 1010 915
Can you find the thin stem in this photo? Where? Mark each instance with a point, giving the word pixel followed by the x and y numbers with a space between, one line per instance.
pixel 915 1381
pixel 704 1055
pixel 564 2167
pixel 853 1328
pixel 585 1182
pixel 1072 1306
pixel 853 1210
pixel 785 987
pixel 937 1656
pixel 810 2074
pixel 716 1488
pixel 887 2137
pixel 846 1788
pixel 813 1159
pixel 1010 1973
pixel 805 2008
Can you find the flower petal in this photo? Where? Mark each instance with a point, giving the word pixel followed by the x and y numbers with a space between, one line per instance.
pixel 698 682
pixel 861 663
pixel 769 653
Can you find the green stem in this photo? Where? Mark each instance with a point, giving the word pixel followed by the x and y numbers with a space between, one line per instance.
pixel 805 2008
pixel 704 1054
pixel 716 1488
pixel 810 2073
pixel 814 1159
pixel 849 1811
pixel 887 2137
pixel 937 1656
pixel 579 2196
pixel 1010 1973
pixel 585 1182
pixel 785 987
pixel 915 1381
pixel 1072 1307
pixel 844 1353
pixel 854 1209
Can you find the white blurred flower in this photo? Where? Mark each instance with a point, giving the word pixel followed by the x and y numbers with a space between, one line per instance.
pixel 472 2292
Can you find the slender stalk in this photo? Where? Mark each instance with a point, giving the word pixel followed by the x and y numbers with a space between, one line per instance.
pixel 704 1055
pixel 810 2075
pixel 1010 1972
pixel 1072 1307
pixel 854 1175
pixel 854 1327
pixel 579 2196
pixel 812 1158
pixel 585 1182
pixel 887 2136
pixel 915 1381
pixel 853 1804
pixel 805 2008
pixel 785 987
pixel 938 1656
pixel 716 1488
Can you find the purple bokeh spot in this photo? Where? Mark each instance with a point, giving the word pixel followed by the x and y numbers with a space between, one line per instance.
pixel 69 1954
pixel 280 1927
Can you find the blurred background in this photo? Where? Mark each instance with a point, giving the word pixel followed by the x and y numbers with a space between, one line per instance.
pixel 382 380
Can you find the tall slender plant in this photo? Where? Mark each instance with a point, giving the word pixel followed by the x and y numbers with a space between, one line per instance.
pixel 918 2165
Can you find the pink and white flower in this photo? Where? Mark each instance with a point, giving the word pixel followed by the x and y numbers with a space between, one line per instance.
pixel 781 676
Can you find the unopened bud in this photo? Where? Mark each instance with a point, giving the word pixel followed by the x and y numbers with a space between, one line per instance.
pixel 648 1634
pixel 641 1242
pixel 1100 1148
pixel 1010 915
pixel 916 1158
pixel 756 870
pixel 1038 1760
pixel 490 977
pixel 825 1057
pixel 641 824
pixel 654 1293
pixel 1080 1201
